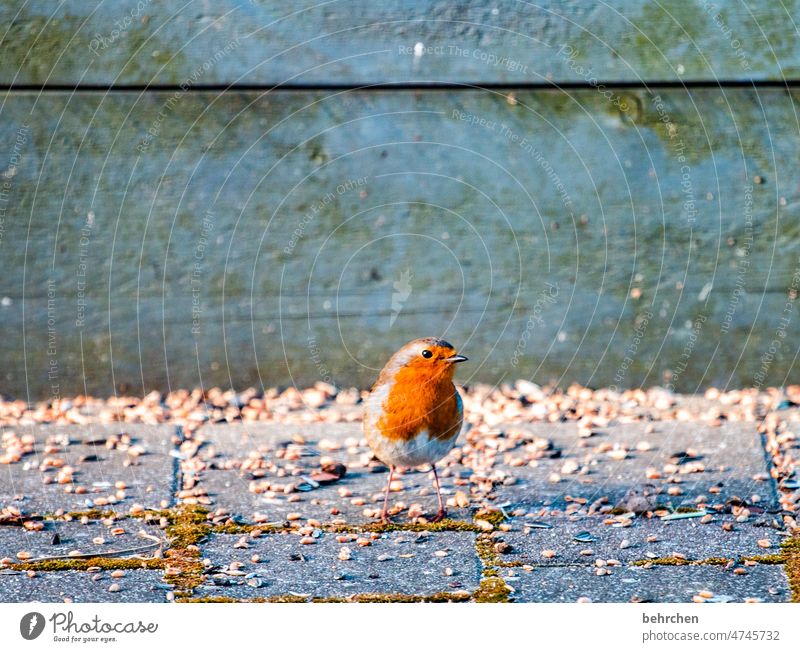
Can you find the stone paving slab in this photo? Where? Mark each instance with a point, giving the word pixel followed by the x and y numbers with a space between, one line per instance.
pixel 74 536
pixel 78 586
pixel 398 562
pixel 686 537
pixel 229 487
pixel 732 455
pixel 657 584
pixel 149 477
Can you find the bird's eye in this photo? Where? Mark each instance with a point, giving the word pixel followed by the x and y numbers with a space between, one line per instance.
pixel 427 354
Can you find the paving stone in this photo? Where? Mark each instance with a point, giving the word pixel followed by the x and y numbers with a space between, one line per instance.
pixel 78 586
pixel 767 583
pixel 732 455
pixel 377 568
pixel 687 537
pixel 149 479
pixel 229 487
pixel 73 536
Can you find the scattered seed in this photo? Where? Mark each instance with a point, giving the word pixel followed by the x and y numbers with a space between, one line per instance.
pixel 584 537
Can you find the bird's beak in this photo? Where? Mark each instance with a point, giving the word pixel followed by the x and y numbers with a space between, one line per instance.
pixel 456 358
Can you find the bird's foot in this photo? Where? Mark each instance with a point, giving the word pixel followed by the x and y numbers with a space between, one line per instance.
pixel 439 516
pixel 385 518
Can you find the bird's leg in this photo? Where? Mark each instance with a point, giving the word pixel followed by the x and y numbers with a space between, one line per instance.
pixel 440 514
pixel 385 513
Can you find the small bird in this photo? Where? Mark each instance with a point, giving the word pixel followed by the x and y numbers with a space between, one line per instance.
pixel 413 414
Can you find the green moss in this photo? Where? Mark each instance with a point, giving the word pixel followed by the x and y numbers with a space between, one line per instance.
pixel 93 514
pixel 103 563
pixel 188 526
pixel 492 589
pixel 399 598
pixel 791 553
pixel 445 525
pixel 778 558
pixel 495 517
pixel 677 561
pixel 484 549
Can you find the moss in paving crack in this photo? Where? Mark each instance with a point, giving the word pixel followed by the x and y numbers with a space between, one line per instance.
pixel 484 547
pixel 492 587
pixel 495 517
pixel 679 561
pixel 94 514
pixel 791 553
pixel 103 563
pixel 443 596
pixel 445 525
pixel 188 527
pixel 777 558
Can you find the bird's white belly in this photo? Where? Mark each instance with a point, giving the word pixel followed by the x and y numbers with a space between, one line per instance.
pixel 423 449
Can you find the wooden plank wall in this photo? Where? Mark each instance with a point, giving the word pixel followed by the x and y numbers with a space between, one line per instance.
pixel 595 192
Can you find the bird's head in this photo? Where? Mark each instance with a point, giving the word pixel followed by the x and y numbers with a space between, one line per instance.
pixel 426 358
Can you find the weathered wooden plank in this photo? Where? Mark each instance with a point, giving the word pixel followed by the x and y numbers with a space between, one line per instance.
pixel 365 42
pixel 553 235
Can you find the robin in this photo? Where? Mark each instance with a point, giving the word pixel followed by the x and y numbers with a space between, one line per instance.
pixel 414 413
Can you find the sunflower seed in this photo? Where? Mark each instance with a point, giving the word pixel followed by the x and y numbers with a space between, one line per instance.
pixel 584 537
pixel 675 516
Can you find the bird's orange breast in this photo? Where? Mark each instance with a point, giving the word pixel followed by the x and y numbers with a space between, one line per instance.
pixel 417 402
